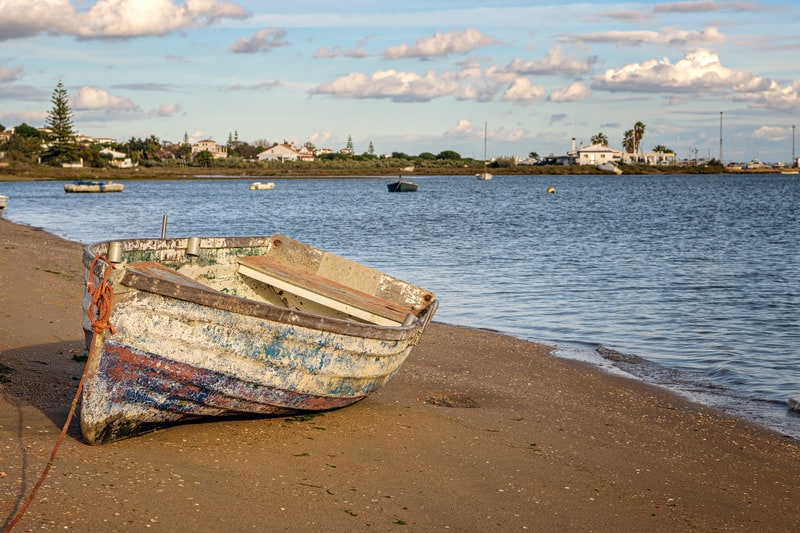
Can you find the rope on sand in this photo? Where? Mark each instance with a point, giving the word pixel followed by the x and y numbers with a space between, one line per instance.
pixel 99 313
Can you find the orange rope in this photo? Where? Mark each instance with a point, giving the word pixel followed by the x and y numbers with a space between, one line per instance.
pixel 102 297
pixel 99 311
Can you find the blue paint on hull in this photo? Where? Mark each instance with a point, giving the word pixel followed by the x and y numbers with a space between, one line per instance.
pixel 134 391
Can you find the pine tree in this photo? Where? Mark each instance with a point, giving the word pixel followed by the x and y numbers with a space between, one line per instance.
pixel 349 147
pixel 59 122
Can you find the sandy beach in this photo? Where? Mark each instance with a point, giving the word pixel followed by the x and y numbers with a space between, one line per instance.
pixel 478 432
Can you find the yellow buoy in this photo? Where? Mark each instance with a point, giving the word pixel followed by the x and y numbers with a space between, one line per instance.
pixel 551 190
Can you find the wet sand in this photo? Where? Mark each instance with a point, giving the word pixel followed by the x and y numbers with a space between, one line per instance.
pixel 479 431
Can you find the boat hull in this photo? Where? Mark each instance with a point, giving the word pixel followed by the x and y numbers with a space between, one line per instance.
pixel 93 187
pixel 3 201
pixel 402 186
pixel 181 350
pixel 609 167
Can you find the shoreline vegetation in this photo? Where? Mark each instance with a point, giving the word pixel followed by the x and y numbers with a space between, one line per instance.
pixel 17 171
pixel 478 431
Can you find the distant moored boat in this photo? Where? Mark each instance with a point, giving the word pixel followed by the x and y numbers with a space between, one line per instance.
pixel 93 186
pixel 402 186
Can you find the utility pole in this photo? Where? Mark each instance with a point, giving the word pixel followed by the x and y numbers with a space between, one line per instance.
pixel 720 138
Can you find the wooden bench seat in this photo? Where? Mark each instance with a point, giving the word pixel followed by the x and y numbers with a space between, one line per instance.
pixel 308 285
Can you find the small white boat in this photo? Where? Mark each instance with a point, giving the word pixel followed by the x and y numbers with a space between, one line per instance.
pixel 3 201
pixel 609 166
pixel 259 186
pixel 93 186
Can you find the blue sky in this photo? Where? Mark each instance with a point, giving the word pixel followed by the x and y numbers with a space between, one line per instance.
pixel 413 76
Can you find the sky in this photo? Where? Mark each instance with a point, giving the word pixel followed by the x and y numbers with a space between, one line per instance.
pixel 414 76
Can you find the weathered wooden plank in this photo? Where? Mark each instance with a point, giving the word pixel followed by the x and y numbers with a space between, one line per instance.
pixel 300 281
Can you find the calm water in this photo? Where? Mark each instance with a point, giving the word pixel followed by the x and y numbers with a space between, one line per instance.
pixel 694 279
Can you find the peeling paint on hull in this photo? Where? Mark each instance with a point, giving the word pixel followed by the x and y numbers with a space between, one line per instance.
pixel 183 349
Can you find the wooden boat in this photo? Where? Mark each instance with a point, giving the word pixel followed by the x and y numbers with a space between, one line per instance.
pixel 205 327
pixel 402 185
pixel 3 201
pixel 93 186
pixel 260 186
pixel 608 166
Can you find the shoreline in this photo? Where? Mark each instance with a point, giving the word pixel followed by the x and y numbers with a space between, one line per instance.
pixel 288 171
pixel 552 444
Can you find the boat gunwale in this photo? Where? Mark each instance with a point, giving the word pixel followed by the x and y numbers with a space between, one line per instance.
pixel 210 297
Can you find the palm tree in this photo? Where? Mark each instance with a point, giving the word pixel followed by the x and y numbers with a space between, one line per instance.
pixel 600 138
pixel 629 142
pixel 638 133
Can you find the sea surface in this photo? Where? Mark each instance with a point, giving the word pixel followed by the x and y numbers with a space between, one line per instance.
pixel 688 281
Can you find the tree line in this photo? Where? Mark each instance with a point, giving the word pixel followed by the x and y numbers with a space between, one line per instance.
pixel 56 144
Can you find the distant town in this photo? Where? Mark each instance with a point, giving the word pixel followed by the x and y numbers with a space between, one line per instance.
pixel 59 145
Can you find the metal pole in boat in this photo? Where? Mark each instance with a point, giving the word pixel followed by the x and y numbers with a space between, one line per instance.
pixel 164 227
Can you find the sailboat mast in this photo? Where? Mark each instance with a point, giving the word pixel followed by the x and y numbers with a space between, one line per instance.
pixel 484 143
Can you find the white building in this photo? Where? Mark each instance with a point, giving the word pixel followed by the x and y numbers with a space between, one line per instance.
pixel 218 151
pixel 596 154
pixel 118 159
pixel 286 152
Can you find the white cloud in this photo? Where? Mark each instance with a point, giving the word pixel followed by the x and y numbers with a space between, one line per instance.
pixel 26 18
pixel 464 129
pixel 522 90
pixel 167 110
pixel 92 99
pixel 773 97
pixel 109 18
pixel 665 36
pixel 320 137
pixel 773 134
pixel 338 51
pixel 556 62
pixel 573 93
pixel 703 6
pixel 470 83
pixel 441 44
pixel 698 72
pixel 391 84
pixel 256 86
pixel 263 41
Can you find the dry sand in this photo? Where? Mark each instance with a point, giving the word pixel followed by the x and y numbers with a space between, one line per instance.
pixel 478 432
